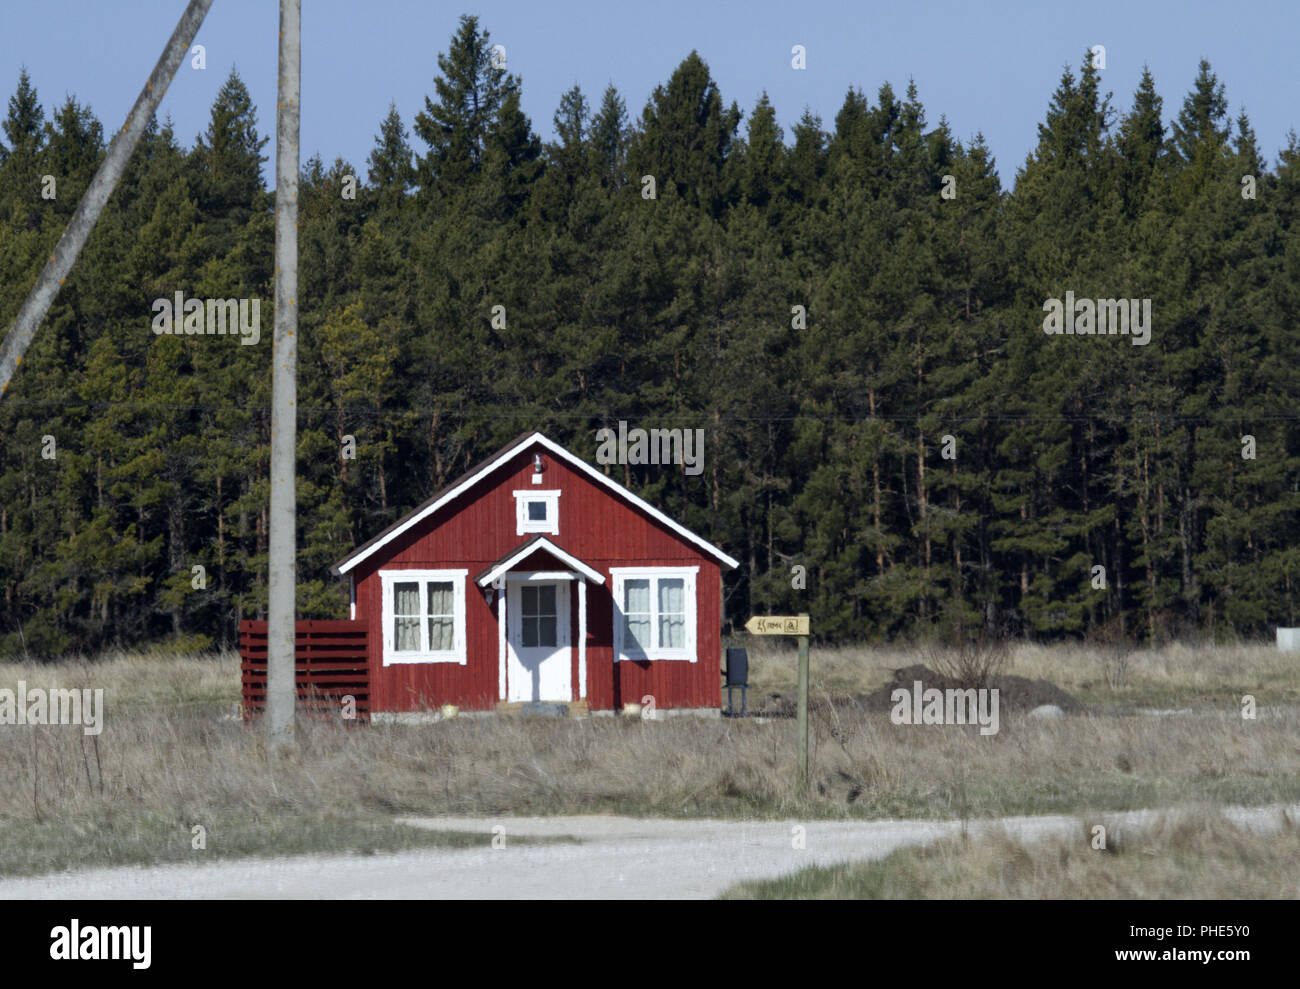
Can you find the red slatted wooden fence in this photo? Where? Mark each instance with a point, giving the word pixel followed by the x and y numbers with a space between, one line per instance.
pixel 330 661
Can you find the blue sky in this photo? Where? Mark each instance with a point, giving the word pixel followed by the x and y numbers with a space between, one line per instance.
pixel 987 67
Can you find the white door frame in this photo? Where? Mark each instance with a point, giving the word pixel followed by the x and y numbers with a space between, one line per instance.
pixel 504 631
pixel 557 658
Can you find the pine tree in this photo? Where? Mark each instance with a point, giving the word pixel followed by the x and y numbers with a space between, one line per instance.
pixel 392 173
pixel 227 165
pixel 471 91
pixel 609 137
pixel 1199 129
pixel 1141 142
pixel 513 162
pixel 685 136
pixel 20 160
pixel 572 122
pixel 762 172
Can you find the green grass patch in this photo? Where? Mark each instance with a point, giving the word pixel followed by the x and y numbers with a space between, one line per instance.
pixel 120 839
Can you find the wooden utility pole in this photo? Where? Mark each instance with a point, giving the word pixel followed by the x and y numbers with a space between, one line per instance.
pixel 96 195
pixel 280 688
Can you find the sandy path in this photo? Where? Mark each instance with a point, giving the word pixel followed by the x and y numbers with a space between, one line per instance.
pixel 620 858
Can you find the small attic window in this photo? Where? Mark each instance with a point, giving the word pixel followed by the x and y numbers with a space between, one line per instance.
pixel 537 511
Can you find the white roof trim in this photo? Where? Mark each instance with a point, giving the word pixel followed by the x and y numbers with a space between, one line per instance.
pixel 524 552
pixel 569 458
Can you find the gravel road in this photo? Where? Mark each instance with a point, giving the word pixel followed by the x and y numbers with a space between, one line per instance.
pixel 619 858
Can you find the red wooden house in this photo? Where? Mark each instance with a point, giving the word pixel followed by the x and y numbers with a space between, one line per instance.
pixel 535 577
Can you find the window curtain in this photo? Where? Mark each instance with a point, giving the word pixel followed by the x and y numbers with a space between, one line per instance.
pixel 442 634
pixel 636 615
pixel 406 611
pixel 672 613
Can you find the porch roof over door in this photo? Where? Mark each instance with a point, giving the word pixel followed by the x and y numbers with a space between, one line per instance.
pixel 537 544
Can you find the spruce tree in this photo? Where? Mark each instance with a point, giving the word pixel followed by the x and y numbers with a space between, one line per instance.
pixel 471 90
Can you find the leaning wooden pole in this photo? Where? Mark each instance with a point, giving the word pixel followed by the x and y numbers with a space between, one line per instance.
pixel 96 196
pixel 280 690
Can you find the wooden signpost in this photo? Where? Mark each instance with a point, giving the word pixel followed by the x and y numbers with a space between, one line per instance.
pixel 791 625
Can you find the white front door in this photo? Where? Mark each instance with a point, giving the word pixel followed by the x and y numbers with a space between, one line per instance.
pixel 537 643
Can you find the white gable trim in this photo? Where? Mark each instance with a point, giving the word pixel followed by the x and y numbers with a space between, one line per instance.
pixel 526 551
pixel 568 458
pixel 645 506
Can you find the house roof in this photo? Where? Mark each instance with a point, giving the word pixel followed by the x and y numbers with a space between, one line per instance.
pixel 524 550
pixel 476 474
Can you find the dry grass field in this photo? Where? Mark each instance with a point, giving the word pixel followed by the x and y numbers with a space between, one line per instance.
pixel 171 757
pixel 1199 856
pixel 1110 680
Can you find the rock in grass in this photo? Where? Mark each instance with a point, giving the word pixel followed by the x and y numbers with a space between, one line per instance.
pixel 1047 711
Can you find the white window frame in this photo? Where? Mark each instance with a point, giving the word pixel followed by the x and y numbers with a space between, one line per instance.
pixel 458 653
pixel 550 525
pixel 620 575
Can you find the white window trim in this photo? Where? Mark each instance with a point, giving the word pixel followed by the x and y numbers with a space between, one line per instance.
pixel 458 654
pixel 550 525
pixel 622 574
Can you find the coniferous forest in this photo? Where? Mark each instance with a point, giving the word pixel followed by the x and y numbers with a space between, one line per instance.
pixel 851 311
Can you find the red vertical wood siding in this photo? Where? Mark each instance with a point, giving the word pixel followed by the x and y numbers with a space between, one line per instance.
pixel 599 528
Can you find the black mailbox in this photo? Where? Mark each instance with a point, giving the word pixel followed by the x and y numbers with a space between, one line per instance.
pixel 737 671
pixel 736 675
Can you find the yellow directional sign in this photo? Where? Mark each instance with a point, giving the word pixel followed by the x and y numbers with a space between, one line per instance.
pixel 777 625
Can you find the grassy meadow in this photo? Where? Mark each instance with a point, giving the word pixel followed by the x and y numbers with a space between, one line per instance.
pixel 172 756
pixel 1194 856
